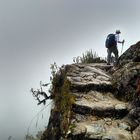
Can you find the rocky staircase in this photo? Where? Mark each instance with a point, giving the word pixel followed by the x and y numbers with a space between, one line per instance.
pixel 98 115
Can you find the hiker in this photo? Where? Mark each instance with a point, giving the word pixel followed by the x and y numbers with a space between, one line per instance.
pixel 111 45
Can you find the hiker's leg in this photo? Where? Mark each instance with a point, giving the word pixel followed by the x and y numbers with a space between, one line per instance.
pixel 115 51
pixel 108 56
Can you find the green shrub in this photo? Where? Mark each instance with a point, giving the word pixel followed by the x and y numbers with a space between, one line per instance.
pixel 88 57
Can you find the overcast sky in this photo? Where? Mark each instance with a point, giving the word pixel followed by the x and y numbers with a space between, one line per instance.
pixel 36 33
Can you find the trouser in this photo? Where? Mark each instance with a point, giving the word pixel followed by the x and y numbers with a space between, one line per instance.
pixel 113 50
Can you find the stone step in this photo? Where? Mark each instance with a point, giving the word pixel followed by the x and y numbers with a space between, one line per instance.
pixel 89 77
pixel 99 104
pixel 102 66
pixel 101 129
pixel 85 87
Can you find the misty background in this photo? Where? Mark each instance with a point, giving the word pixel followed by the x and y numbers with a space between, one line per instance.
pixel 37 33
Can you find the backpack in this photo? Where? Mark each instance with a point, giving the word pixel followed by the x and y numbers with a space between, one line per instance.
pixel 110 41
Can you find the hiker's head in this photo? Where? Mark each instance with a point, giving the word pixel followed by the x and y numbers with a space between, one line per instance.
pixel 118 32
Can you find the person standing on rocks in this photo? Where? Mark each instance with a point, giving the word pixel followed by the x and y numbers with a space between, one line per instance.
pixel 111 45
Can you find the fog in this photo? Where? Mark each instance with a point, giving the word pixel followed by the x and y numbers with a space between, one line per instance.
pixel 35 34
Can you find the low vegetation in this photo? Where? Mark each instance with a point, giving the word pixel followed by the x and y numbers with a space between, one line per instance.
pixel 88 57
pixel 63 100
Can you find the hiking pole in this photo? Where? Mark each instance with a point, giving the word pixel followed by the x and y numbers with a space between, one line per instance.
pixel 122 46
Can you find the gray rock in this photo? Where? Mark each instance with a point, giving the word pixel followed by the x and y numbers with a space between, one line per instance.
pixel 99 103
pixel 79 129
pixel 136 133
pixel 95 131
pixel 125 79
pixel 122 106
pixel 117 134
pixel 100 130
pixel 124 126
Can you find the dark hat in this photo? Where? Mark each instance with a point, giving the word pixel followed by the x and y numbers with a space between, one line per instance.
pixel 118 32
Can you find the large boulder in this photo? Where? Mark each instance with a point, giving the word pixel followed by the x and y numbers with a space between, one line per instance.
pixel 130 55
pixel 125 80
pixel 127 73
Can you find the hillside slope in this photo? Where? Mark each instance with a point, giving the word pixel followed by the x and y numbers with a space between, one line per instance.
pixel 94 102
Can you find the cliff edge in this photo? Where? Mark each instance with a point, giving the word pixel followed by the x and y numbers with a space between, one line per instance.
pixel 96 101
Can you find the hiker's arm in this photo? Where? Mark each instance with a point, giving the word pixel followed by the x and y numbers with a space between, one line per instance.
pixel 122 42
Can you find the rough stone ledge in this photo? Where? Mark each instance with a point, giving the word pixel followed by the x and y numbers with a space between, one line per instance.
pixel 100 112
pixel 91 86
pixel 99 104
pixel 103 129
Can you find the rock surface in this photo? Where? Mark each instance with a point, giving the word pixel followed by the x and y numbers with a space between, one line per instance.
pixel 136 133
pixel 125 80
pixel 130 55
pixel 98 103
pixel 97 113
